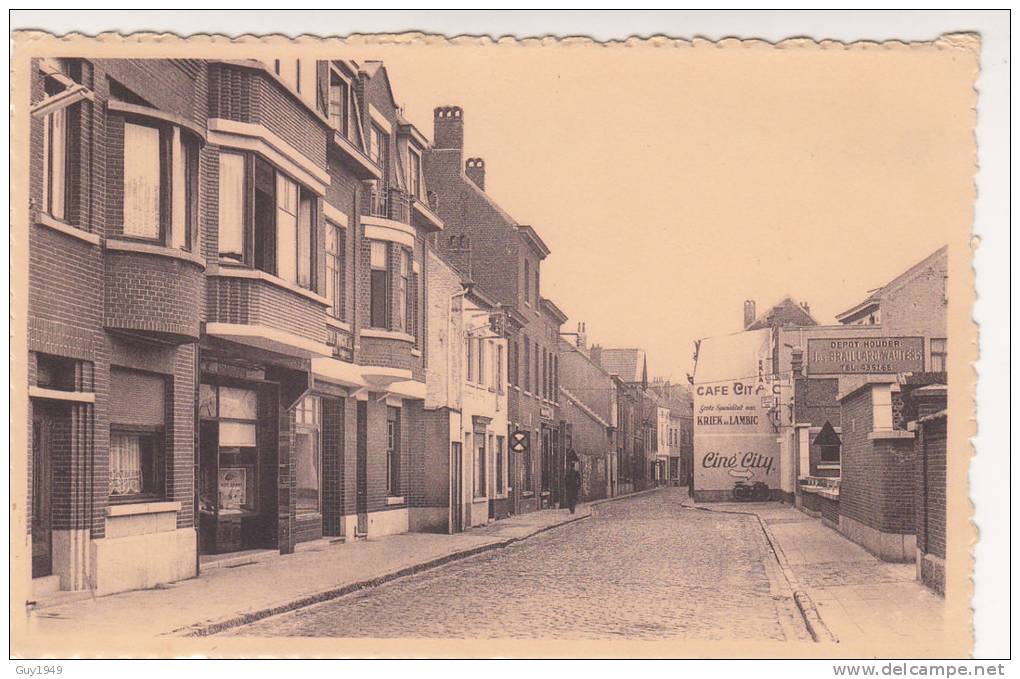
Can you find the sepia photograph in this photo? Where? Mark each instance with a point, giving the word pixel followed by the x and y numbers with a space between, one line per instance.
pixel 418 345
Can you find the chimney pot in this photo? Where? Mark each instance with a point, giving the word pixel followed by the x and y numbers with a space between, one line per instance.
pixel 475 170
pixel 749 313
pixel 448 126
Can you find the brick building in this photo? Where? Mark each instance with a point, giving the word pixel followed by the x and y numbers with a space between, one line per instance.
pixel 464 462
pixel 247 243
pixel 504 257
pixel 589 410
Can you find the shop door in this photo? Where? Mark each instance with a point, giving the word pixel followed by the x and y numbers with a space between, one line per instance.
pixel 42 477
pixel 361 474
pixel 456 487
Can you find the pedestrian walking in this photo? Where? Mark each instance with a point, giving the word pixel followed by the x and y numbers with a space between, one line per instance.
pixel 573 485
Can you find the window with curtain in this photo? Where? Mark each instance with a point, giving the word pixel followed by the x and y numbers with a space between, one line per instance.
pixel 137 432
pixel 379 289
pixel 307 457
pixel 232 206
pixel 141 181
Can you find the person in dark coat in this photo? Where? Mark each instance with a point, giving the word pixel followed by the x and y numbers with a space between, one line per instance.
pixel 573 486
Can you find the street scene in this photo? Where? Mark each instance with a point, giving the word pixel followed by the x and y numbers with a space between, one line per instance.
pixel 317 350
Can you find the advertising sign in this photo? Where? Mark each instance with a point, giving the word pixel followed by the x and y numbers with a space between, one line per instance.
pixel 737 410
pixel 232 488
pixel 863 355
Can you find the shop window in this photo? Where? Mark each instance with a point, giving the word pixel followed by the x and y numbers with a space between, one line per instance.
pixel 379 290
pixel 479 477
pixel 393 451
pixel 137 435
pixel 500 465
pixel 307 457
pixel 229 479
pixel 938 355
pixel 336 270
pixel 266 219
pixel 160 185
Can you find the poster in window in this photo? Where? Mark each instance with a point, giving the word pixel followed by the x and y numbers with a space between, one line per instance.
pixel 233 487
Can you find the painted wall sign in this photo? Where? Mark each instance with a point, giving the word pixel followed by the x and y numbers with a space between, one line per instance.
pixel 861 355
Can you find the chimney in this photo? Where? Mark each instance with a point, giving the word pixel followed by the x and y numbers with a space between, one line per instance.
pixel 448 128
pixel 749 313
pixel 596 354
pixel 475 170
pixel 805 307
pixel 582 337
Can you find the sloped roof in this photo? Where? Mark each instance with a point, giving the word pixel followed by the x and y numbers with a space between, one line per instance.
pixel 627 364
pixel 785 312
pixel 875 296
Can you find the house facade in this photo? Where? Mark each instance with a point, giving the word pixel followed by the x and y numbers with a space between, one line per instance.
pixel 483 242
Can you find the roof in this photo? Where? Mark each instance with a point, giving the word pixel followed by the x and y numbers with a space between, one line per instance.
pixel 785 312
pixel 876 295
pixel 627 364
pixel 556 312
pixel 533 239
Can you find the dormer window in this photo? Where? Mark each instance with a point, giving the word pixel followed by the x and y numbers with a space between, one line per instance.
pixel 339 103
pixel 414 173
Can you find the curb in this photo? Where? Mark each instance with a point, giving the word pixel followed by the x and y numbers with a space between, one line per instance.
pixel 816 627
pixel 210 628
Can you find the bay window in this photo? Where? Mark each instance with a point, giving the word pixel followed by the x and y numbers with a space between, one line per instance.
pixel 379 289
pixel 137 435
pixel 266 219
pixel 307 457
pixel 403 290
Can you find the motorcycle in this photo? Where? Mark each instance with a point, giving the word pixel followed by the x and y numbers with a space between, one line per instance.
pixel 758 492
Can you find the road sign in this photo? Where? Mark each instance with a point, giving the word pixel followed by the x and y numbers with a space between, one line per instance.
pixel 519 441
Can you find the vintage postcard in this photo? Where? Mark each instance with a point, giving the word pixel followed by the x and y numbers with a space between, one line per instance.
pixel 404 345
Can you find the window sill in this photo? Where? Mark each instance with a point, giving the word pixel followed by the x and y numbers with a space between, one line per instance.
pixel 528 493
pixel 232 271
pixel 395 500
pixel 309 516
pixel 123 245
pixel 829 466
pixel 890 434
pixel 387 334
pixel 338 324
pixel 43 219
pixel 416 352
pixel 135 508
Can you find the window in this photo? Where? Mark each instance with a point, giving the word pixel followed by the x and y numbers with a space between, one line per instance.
pixel 537 289
pixel 414 173
pixel 393 451
pixel 545 373
pixel 335 270
pixel 377 143
pixel 500 465
pixel 513 358
pixel 160 185
pixel 232 206
pixel 556 379
pixel 499 368
pixel 275 231
pixel 55 169
pixel 479 484
pixel 528 478
pixel 379 291
pixel 403 292
pixel 469 354
pixel 830 454
pixel 527 365
pixel 482 344
pixel 307 458
pixel 938 355
pixel 527 281
pixel 137 419
pixel 339 103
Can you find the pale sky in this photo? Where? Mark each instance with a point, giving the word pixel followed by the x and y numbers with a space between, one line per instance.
pixel 673 183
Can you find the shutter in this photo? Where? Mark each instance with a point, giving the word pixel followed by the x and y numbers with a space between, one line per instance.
pixel 137 399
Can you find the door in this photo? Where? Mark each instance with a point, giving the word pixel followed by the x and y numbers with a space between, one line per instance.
pixel 456 487
pixel 361 475
pixel 42 477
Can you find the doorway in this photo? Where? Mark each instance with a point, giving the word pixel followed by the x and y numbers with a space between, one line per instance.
pixel 42 489
pixel 456 487
pixel 361 474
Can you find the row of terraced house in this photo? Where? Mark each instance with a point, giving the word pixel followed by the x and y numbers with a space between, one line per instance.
pixel 265 309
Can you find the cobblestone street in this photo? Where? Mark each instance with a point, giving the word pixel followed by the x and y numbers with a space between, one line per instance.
pixel 642 568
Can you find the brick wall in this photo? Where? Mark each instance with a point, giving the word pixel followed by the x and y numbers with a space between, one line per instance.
pixel 152 293
pixel 930 476
pixel 861 469
pixel 250 301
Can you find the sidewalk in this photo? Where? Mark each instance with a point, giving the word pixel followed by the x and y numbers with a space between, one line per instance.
pixel 231 595
pixel 860 599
